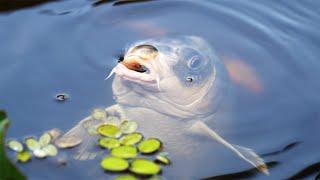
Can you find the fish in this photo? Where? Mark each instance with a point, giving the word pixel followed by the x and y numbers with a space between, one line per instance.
pixel 172 86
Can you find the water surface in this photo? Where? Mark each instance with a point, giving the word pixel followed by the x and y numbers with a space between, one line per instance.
pixel 270 48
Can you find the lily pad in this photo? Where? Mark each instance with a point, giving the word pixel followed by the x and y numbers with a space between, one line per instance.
pixel 109 143
pixel 50 150
pixel 126 177
pixel 131 139
pixel 99 114
pixel 144 167
pixel 124 152
pixel 128 127
pixel 45 139
pixel 32 143
pixel 109 130
pixel 111 163
pixel 24 156
pixel 149 146
pixel 15 145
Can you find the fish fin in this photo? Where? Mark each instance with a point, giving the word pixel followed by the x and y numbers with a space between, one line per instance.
pixel 245 153
pixel 79 134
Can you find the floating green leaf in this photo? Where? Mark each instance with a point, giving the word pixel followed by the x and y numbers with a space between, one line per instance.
pixel 113 120
pixel 39 153
pixel 155 178
pixel 163 159
pixel 23 156
pixel 54 133
pixel 144 167
pixel 45 139
pixel 124 152
pixel 109 130
pixel 128 127
pixel 7 169
pixel 68 142
pixel 111 163
pixel 99 114
pixel 32 143
pixel 131 139
pixel 109 143
pixel 50 150
pixel 15 145
pixel 92 130
pixel 150 145
pixel 126 177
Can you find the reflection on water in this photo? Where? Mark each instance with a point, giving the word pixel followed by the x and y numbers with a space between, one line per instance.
pixel 270 50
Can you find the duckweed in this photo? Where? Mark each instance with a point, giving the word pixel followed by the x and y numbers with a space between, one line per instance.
pixel 120 149
pixel 109 130
pixel 39 153
pixel 32 143
pixel 23 156
pixel 113 120
pixel 54 133
pixel 144 167
pixel 131 139
pixel 109 143
pixel 99 114
pixel 128 127
pixel 125 152
pixel 50 150
pixel 111 163
pixel 127 147
pixel 68 142
pixel 126 177
pixel 150 145
pixel 15 145
pixel 45 139
pixel 162 159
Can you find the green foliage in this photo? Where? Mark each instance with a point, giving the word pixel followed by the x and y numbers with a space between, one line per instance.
pixel 7 169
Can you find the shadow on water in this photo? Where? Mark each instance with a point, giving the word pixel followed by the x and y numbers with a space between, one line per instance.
pixel 118 2
pixel 13 5
pixel 251 173
pixel 286 148
pixel 307 172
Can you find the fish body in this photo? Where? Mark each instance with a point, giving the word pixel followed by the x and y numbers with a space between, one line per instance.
pixel 172 87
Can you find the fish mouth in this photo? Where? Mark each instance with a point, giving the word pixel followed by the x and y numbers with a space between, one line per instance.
pixel 137 69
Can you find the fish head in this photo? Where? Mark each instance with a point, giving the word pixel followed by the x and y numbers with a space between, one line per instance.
pixel 179 76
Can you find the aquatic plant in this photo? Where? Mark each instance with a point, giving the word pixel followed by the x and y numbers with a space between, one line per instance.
pixel 125 145
pixel 7 170
pixel 149 146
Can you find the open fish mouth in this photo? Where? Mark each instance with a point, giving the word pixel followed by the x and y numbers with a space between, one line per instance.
pixel 137 69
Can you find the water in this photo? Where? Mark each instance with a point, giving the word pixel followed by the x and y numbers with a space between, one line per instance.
pixel 270 48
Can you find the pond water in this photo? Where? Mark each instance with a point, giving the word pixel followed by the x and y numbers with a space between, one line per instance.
pixel 269 48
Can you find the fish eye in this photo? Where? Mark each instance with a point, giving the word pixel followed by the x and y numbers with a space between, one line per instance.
pixel 193 58
pixel 194 62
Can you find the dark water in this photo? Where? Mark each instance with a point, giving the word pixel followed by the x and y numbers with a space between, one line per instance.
pixel 271 49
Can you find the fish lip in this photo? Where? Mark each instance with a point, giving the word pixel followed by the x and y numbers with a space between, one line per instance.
pixel 134 76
